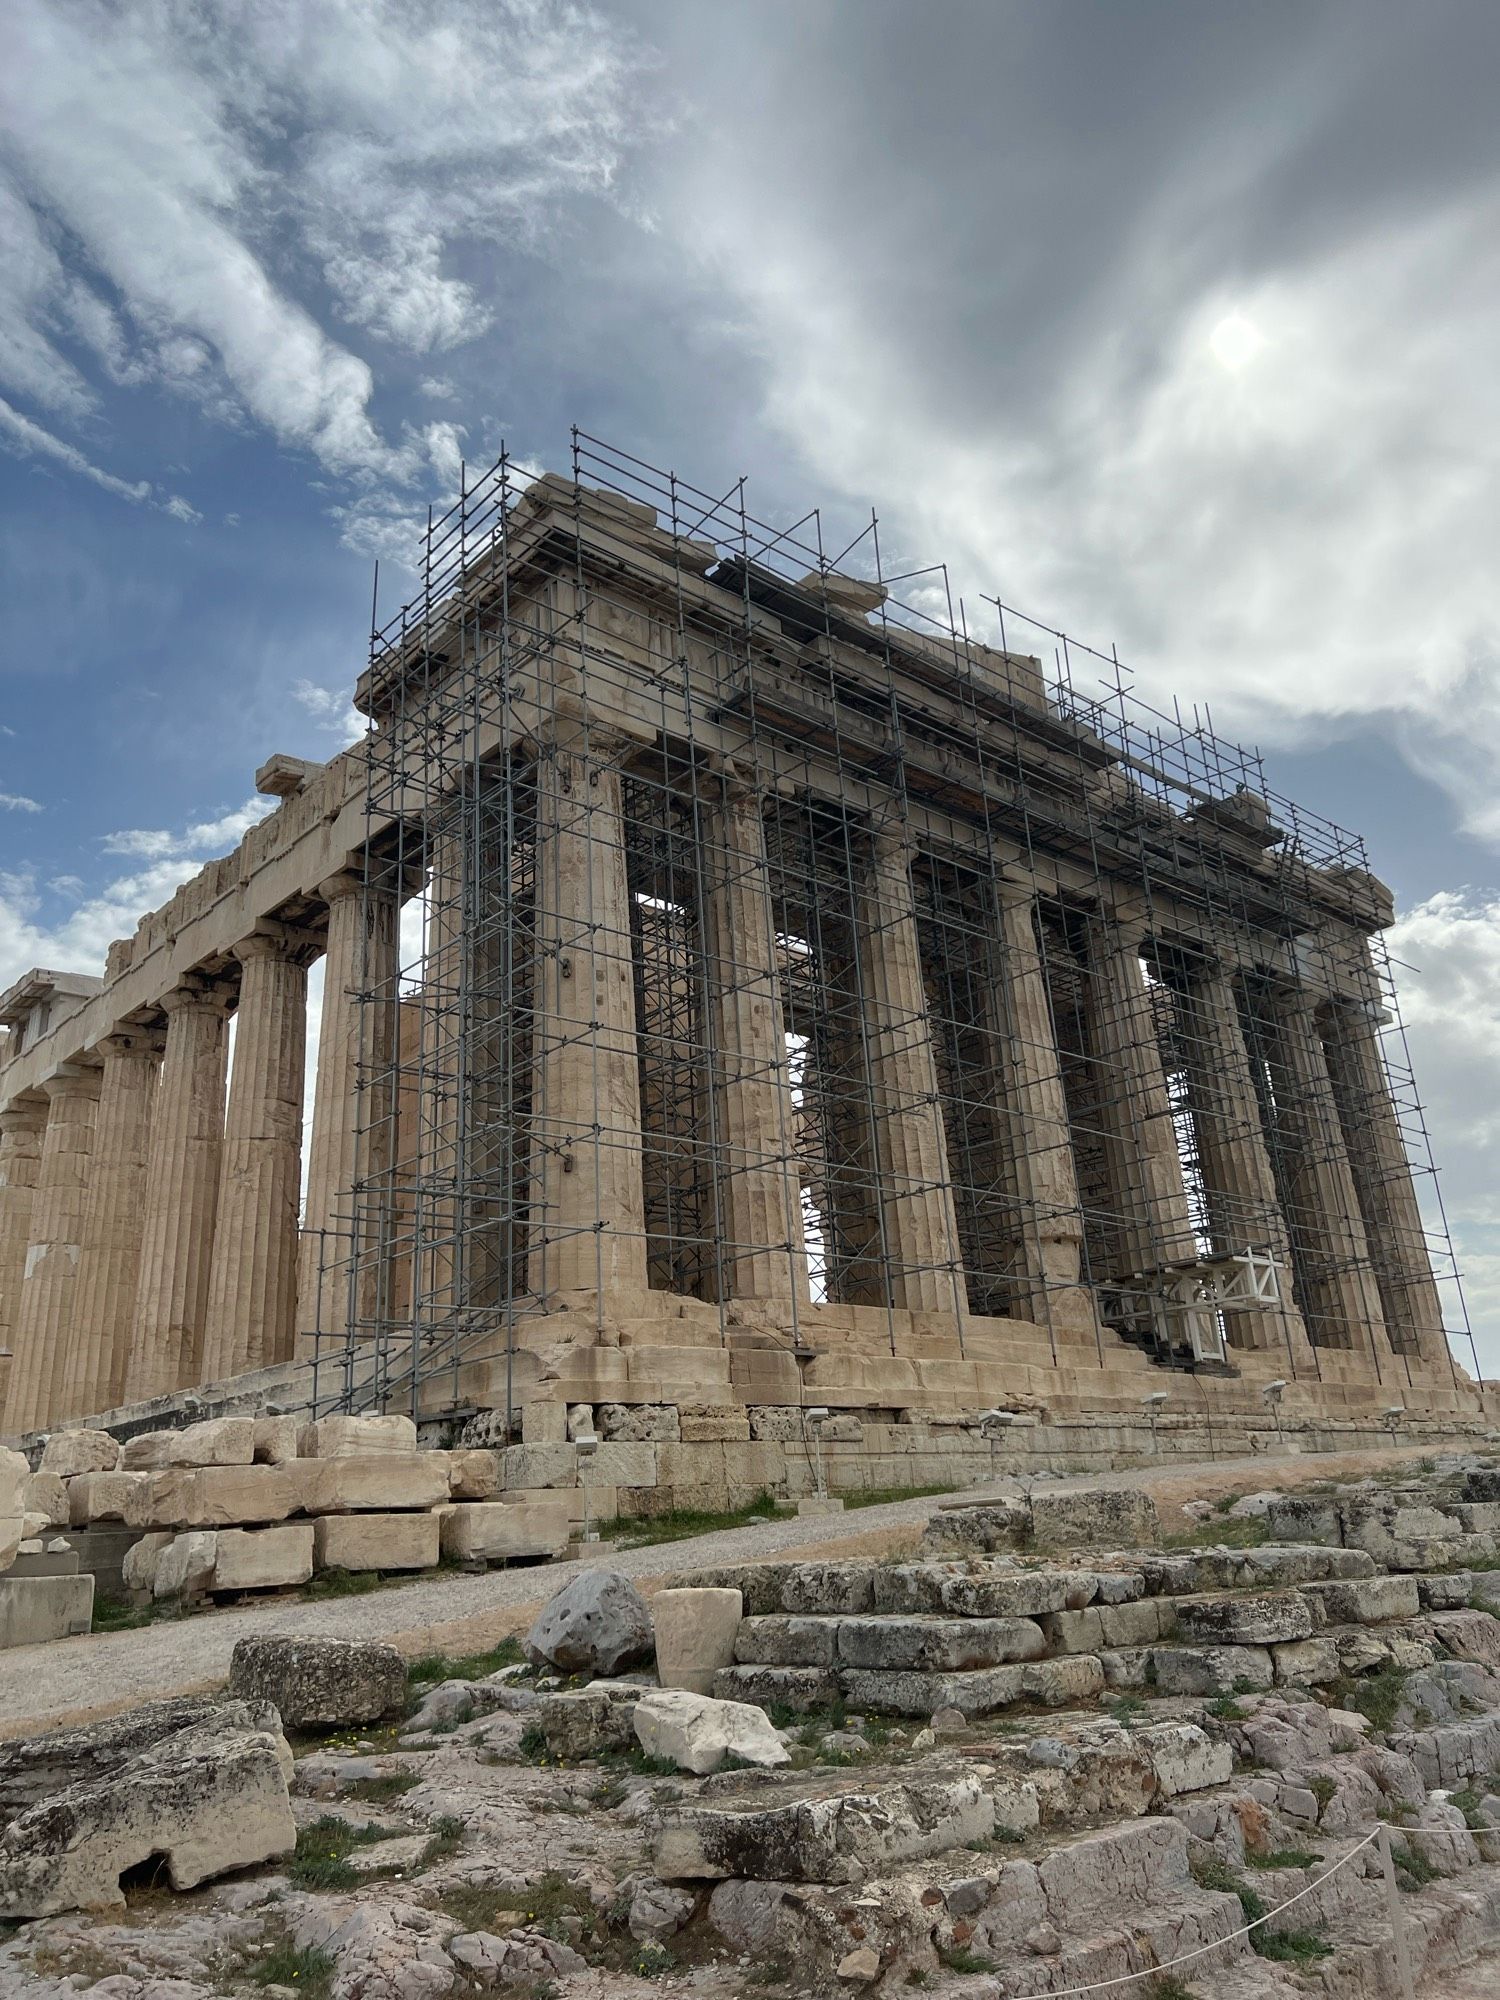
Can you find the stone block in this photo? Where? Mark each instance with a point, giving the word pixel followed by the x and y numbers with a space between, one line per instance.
pixel 1303 1517
pixel 784 1641
pixel 372 1541
pixel 228 1496
pixel 817 1831
pixel 274 1440
pixel 1211 1669
pixel 1184 1758
pixel 474 1475
pixel 14 1474
pixel 759 1584
pixel 263 1558
pixel 1074 1631
pixel 596 1623
pixel 544 1423
pixel 157 1499
pixel 499 1530
pixel 36 1609
pixel 715 1427
pixel 622 1464
pixel 1110 1517
pixel 217 1441
pixel 695 1635
pixel 185 1567
pixel 319 1683
pixel 800 1689
pixel 837 1588
pixel 1137 1624
pixel 977 1693
pixel 938 1645
pixel 697 1732
pixel 527 1466
pixel 1369 1600
pixel 1306 1663
pixel 359 1437
pixel 580 1722
pixel 138 1571
pixel 1446 1593
pixel 1059 1683
pixel 776 1424
pixel 1251 1618
pixel 383 1483
pixel 67 1453
pixel 101 1496
pixel 46 1493
pixel 638 1423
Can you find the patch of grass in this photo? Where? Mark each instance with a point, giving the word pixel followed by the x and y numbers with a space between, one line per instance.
pixel 1284 1857
pixel 1128 1709
pixel 1467 1802
pixel 1224 1708
pixel 775 1972
pixel 481 1907
pixel 1220 1534
pixel 1322 1789
pixel 321 1857
pixel 447 1838
pixel 1377 1697
pixel 437 1667
pixel 308 1970
pixel 683 1525
pixel 1291 1947
pixel 118 1614
pixel 651 1961
pixel 887 1496
pixel 342 1583
pixel 378 1791
pixel 958 1958
pixel 1170 1987
pixel 1413 1870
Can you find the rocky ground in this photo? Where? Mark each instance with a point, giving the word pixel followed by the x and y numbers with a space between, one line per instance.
pixel 1031 1756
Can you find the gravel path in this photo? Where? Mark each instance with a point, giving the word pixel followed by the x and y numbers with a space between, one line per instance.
pixel 72 1680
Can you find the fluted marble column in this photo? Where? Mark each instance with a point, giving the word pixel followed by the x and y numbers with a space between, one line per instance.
pixel 765 1255
pixel 1039 1145
pixel 1341 1296
pixel 352 1117
pixel 588 1229
pixel 98 1346
pixel 1148 1196
pixel 916 1190
pixel 49 1277
pixel 182 1194
pixel 252 1291
pixel 21 1127
pixel 1383 1183
pixel 1239 1183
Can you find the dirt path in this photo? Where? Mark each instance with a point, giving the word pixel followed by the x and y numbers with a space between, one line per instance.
pixel 75 1680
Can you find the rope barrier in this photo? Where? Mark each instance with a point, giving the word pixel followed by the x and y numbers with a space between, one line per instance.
pixel 1202 1950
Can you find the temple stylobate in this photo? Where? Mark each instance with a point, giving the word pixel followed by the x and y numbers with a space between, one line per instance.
pixel 740 988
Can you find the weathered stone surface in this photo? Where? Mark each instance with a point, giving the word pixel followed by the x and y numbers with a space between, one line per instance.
pixel 697 1732
pixel 138 1570
pixel 524 1466
pixel 1449 1592
pixel 800 1689
pixel 582 1721
pixel 43 1493
pixel 1056 1683
pixel 1366 1600
pixel 37 1609
pixel 829 1588
pixel 376 1541
pixel 1304 1517
pixel 101 1496
pixel 938 1645
pixel 1110 1517
pixel 1306 1663
pixel 498 1530
pixel 215 1496
pixel 381 1482
pixel 1253 1618
pixel 359 1437
pixel 218 1441
pixel 860 1966
pixel 638 1423
pixel 917 1587
pixel 473 1475
pixel 759 1584
pixel 1183 1758
pixel 1468 1635
pixel 274 1440
pixel 784 1641
pixel 814 1832
pixel 978 1693
pixel 319 1683
pixel 657 1911
pixel 37 1767
pixel 185 1567
pixel 263 1558
pixel 597 1623
pixel 68 1453
pixel 207 1802
pixel 750 1915
pixel 695 1635
pixel 525 1960
pixel 1211 1669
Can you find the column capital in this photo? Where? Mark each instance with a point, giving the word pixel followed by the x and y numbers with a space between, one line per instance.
pixel 24 1114
pixel 349 881
pixel 72 1079
pixel 1013 895
pixel 291 947
pixel 210 995
pixel 1129 923
pixel 130 1041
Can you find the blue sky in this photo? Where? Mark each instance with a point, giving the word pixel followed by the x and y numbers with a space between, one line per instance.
pixel 1175 324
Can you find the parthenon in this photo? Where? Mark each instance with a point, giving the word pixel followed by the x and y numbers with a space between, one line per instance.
pixel 744 985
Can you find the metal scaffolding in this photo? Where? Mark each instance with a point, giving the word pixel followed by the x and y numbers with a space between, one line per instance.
pixel 867 718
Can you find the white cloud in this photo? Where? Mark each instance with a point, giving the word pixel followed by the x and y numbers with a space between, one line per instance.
pixel 27 440
pixel 15 802
pixel 331 709
pixel 201 841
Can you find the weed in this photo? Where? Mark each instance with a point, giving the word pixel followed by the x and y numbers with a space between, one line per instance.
pixel 1291 1947
pixel 1240 1685
pixel 775 1972
pixel 118 1614
pixel 1377 1697
pixel 344 1583
pixel 377 1791
pixel 446 1838
pixel 1413 1870
pixel 681 1526
pixel 1468 1801
pixel 479 1908
pixel 1221 1534
pixel 1284 1857
pixel 958 1958
pixel 651 1961
pixel 465 1666
pixel 284 1965
pixel 1322 1788
pixel 1127 1710
pixel 321 1857
pixel 1226 1709
pixel 1170 1987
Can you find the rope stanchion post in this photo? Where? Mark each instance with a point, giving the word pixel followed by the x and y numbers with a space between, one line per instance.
pixel 1393 1901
